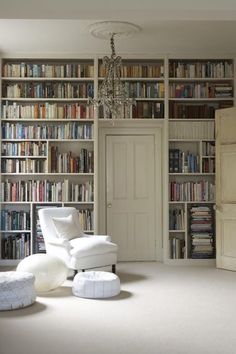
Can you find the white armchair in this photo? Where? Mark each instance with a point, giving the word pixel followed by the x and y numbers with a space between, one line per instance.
pixel 64 238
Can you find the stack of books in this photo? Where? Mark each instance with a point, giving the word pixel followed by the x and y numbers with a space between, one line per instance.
pixel 202 232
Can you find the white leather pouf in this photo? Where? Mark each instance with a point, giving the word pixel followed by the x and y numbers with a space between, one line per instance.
pixel 16 290
pixel 96 285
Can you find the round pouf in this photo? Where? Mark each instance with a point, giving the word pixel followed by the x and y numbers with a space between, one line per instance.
pixel 16 290
pixel 49 271
pixel 95 285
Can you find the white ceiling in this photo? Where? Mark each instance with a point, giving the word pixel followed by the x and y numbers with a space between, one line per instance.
pixel 55 27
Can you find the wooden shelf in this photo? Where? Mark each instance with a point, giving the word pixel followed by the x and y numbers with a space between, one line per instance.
pixel 33 79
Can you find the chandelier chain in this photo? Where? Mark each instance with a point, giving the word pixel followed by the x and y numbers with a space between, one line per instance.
pixel 113 52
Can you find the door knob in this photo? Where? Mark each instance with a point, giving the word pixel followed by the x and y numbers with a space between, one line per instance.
pixel 217 208
pixel 109 205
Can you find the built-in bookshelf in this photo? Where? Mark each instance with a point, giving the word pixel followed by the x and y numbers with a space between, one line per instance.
pixel 143 81
pixel 47 147
pixel 196 89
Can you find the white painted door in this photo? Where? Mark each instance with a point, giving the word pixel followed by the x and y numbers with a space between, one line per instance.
pixel 226 189
pixel 130 182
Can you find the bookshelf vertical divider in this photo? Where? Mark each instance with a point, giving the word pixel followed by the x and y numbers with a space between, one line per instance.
pixel 96 151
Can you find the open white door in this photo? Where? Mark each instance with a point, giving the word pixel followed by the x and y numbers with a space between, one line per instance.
pixel 226 188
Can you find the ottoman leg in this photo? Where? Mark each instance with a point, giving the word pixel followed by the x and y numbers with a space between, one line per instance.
pixel 114 268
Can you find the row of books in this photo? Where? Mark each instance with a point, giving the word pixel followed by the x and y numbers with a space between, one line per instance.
pixel 15 220
pixel 201 90
pixel 15 246
pixel 208 148
pixel 60 131
pixel 67 163
pixel 201 69
pixel 24 148
pixel 202 232
pixel 180 69
pixel 141 109
pixel 196 110
pixel 176 219
pixel 72 70
pixel 154 70
pixel 148 110
pixel 46 191
pixel 200 191
pixel 183 161
pixel 208 165
pixel 48 90
pixel 47 110
pixel 86 219
pixel 23 166
pixel 192 130
pixel 145 89
pixel 177 248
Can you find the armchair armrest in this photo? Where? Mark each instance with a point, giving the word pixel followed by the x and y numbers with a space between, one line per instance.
pixel 101 237
pixel 59 242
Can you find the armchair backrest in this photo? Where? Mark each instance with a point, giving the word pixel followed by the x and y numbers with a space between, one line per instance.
pixel 47 224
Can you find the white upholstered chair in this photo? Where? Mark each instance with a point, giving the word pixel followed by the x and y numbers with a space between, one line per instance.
pixel 64 238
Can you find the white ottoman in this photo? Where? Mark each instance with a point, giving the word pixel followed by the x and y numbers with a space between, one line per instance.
pixel 49 271
pixel 95 285
pixel 16 290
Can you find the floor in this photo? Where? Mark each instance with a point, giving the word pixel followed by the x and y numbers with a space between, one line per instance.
pixel 160 310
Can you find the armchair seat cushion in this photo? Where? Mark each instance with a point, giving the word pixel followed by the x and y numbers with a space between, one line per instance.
pixel 91 246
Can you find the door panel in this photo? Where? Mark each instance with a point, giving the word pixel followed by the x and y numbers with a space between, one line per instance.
pixel 120 171
pixel 228 242
pixel 228 172
pixel 120 223
pixel 225 189
pixel 226 239
pixel 131 195
pixel 141 225
pixel 140 171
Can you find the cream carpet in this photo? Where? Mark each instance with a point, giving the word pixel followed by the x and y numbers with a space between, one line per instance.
pixel 161 310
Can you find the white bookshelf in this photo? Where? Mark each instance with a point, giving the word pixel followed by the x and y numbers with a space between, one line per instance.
pixel 197 87
pixel 144 81
pixel 66 128
pixel 185 132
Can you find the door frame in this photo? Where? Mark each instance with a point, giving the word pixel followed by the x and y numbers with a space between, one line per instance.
pixel 155 129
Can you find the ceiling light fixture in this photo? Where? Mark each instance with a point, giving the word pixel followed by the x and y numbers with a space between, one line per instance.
pixel 112 95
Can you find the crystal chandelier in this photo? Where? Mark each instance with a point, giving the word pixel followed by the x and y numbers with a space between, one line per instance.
pixel 112 95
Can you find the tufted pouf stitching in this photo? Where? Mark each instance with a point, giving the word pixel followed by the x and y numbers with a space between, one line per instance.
pixel 16 290
pixel 96 284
